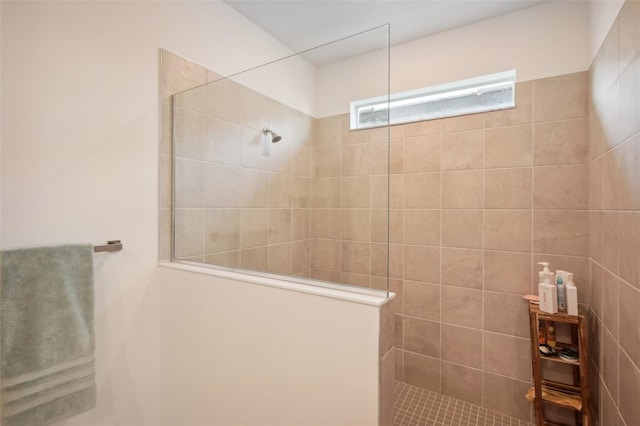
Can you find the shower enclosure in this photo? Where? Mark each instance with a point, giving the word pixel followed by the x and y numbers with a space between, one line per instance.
pixel 268 188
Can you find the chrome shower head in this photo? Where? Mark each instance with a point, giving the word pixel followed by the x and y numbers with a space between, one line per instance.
pixel 274 136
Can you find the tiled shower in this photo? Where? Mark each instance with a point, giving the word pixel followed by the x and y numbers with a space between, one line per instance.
pixel 474 203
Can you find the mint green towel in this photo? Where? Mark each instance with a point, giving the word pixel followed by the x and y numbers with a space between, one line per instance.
pixel 47 342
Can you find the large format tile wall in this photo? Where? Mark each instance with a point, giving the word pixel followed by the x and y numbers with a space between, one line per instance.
pixel 476 201
pixel 614 213
pixel 234 206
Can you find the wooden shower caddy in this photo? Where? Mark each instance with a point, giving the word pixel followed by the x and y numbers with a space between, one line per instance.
pixel 576 394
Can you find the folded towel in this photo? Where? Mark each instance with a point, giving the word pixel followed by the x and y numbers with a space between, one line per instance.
pixel 47 334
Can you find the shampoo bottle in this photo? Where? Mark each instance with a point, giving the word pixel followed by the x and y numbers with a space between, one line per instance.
pixel 548 294
pixel 572 296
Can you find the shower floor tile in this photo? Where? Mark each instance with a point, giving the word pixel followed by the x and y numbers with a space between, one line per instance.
pixel 414 406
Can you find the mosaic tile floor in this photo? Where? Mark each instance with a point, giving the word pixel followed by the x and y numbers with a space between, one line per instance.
pixel 414 406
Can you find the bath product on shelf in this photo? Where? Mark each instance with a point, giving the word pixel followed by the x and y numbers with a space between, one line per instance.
pixel 562 294
pixel 551 333
pixel 546 273
pixel 572 295
pixel 548 296
pixel 542 335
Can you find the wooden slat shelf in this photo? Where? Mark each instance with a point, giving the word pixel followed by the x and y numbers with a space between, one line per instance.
pixel 573 396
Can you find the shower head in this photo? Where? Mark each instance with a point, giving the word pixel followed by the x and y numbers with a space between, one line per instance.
pixel 274 136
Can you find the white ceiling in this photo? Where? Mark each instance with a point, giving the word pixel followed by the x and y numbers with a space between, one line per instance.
pixel 304 24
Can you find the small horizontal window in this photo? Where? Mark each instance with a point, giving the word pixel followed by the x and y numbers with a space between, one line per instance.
pixel 487 93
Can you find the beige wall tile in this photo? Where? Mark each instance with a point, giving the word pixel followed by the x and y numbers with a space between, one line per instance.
pixel 595 235
pixel 422 263
pixel 222 230
pixel 387 226
pixel 255 259
pixel 629 390
pixel 629 32
pixel 325 223
pixel 630 248
pixel 462 189
pixel 179 74
pixel 521 114
pixel 301 160
pixel 508 188
pixel 463 123
pixel 189 137
pixel 166 182
pixel 229 259
pixel 189 231
pixel 379 260
pixel 329 161
pixel 461 306
pixel 507 230
pixel 398 333
pixel 254 227
pixel 279 226
pixel 356 257
pixel 386 389
pixel 326 254
pixel 355 192
pixel 422 371
pixel 395 156
pixel 560 187
pixel 461 345
pixel 223 100
pixel 506 313
pixel 396 261
pixel 379 188
pixel 325 275
pixel 560 98
pixel 421 128
pixel 508 147
pixel 461 267
pixel 421 191
pixel 422 227
pixel 561 232
pixel 507 355
pixel 255 188
pixel 422 300
pixel 462 383
pixel 356 160
pixel 398 364
pixel 189 183
pixel 596 288
pixel 325 192
pixel 396 191
pixel 629 301
pixel 329 131
pixel 629 100
pixel 561 142
pixel 279 190
pixel 504 395
pixel 379 157
pixel 300 192
pixel 611 242
pixel 280 261
pixel 422 154
pixel 463 150
pixel 300 224
pixel 356 224
pixel 507 272
pixel 223 142
pixel 610 362
pixel 462 228
pixel 227 195
pixel 301 256
pixel 422 336
pixel 595 184
pixel 359 280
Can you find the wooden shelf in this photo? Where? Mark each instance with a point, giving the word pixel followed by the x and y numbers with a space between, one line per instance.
pixel 557 397
pixel 573 396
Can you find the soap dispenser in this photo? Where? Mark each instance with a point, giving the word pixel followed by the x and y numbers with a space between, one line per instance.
pixel 546 274
pixel 548 294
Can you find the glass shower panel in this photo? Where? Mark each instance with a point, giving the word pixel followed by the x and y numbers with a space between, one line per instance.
pixel 266 188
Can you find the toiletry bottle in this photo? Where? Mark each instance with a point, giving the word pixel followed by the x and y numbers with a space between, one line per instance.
pixel 548 294
pixel 546 273
pixel 572 296
pixel 551 334
pixel 562 295
pixel 542 335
